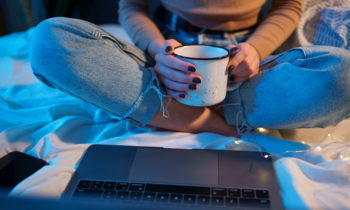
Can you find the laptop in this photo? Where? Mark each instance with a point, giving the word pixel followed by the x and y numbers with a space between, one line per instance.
pixel 143 176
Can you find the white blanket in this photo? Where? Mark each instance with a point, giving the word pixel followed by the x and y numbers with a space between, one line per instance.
pixel 51 125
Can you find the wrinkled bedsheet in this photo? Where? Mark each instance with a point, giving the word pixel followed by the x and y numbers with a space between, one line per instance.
pixel 51 125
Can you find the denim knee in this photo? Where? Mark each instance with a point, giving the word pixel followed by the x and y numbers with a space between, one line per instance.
pixel 83 60
pixel 302 88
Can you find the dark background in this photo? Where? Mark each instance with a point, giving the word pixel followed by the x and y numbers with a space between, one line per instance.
pixel 19 15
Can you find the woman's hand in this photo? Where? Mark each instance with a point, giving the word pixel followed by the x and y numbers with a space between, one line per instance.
pixel 176 75
pixel 244 63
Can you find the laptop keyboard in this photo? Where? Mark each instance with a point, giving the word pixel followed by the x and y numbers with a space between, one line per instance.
pixel 174 194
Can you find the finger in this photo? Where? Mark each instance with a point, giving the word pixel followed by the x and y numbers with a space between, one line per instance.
pixel 169 46
pixel 176 94
pixel 233 49
pixel 236 60
pixel 245 74
pixel 175 63
pixel 252 69
pixel 246 67
pixel 177 85
pixel 238 79
pixel 179 76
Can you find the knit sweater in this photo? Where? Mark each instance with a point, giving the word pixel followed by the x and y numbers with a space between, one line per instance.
pixel 225 15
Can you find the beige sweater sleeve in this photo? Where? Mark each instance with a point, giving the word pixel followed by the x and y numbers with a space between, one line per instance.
pixel 134 17
pixel 276 27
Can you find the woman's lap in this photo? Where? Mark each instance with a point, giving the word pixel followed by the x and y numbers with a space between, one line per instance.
pixel 306 87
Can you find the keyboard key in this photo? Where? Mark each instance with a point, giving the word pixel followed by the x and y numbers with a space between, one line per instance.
pixel 217 201
pixel 109 194
pixel 87 193
pixel 136 187
pixel 248 193
pixel 178 189
pixel 122 186
pixel 190 199
pixel 161 197
pixel 234 192
pixel 254 203
pixel 262 193
pixel 122 195
pixel 96 185
pixel 84 184
pixel 203 200
pixel 231 202
pixel 109 185
pixel 219 191
pixel 176 198
pixel 149 197
pixel 135 196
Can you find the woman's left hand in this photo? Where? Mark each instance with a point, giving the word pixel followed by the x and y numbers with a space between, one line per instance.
pixel 244 62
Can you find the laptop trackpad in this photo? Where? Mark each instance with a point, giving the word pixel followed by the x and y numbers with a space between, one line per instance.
pixel 175 166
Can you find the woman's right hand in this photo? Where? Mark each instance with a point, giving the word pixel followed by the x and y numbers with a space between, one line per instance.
pixel 176 75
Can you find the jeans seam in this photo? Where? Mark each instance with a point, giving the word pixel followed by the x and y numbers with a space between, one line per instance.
pixel 245 121
pixel 82 31
pixel 139 99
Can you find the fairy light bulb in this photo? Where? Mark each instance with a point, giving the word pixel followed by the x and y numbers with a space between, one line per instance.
pixel 329 134
pixel 318 148
pixel 341 156
pixel 266 156
pixel 303 142
pixel 261 129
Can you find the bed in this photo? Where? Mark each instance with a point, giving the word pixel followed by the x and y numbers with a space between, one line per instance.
pixel 48 124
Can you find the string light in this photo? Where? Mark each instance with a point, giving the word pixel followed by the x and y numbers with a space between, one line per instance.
pixel 318 148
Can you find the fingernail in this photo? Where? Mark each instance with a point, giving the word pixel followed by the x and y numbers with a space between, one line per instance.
pixel 191 68
pixel 233 50
pixel 197 80
pixel 230 69
pixel 192 87
pixel 182 95
pixel 168 49
pixel 232 78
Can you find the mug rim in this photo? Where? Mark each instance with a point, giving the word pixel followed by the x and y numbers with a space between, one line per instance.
pixel 215 58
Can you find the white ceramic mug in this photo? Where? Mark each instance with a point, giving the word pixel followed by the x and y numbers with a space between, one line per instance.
pixel 211 63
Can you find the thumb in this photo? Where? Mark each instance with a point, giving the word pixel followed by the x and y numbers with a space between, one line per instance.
pixel 169 46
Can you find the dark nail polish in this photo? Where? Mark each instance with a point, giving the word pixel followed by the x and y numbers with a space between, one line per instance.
pixel 233 50
pixel 191 68
pixel 232 78
pixel 230 69
pixel 192 87
pixel 182 95
pixel 197 80
pixel 168 49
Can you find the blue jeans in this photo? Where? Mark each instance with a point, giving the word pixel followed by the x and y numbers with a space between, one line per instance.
pixel 304 87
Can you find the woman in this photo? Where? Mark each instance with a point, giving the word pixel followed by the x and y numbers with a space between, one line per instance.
pixel 305 87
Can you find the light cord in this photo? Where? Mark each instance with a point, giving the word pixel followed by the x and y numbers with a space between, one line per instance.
pixel 318 148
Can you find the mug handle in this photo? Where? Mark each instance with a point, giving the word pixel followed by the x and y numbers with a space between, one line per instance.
pixel 231 86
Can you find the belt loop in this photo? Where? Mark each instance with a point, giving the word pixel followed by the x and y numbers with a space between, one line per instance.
pixel 173 25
